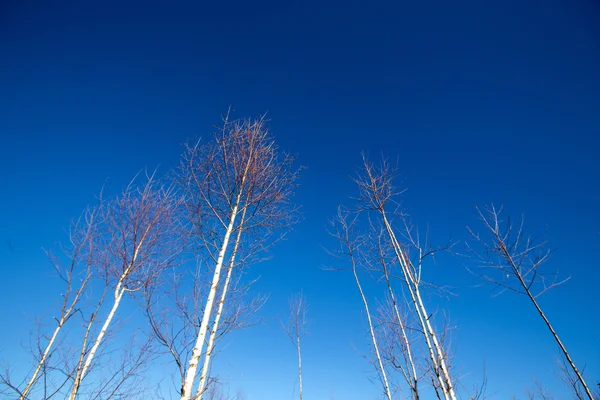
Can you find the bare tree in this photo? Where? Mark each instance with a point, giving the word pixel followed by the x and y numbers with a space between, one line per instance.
pixel 376 194
pixel 351 245
pixel 119 246
pixel 513 262
pixel 393 322
pixel 296 329
pixel 398 345
pixel 76 275
pixel 136 245
pixel 215 326
pixel 173 306
pixel 239 173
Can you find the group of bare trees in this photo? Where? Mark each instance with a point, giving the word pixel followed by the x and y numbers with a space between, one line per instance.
pixel 378 241
pixel 376 238
pixel 161 267
pixel 116 248
pixel 175 248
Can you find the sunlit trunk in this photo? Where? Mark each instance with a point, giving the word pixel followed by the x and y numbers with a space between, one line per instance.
pixel 119 291
pixel 435 352
pixel 384 379
pixel 413 376
pixel 580 378
pixel 190 376
pixel 299 367
pixel 213 333
pixel 42 360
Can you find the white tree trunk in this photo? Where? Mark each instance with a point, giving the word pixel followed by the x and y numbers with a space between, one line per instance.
pixel 578 374
pixel 190 376
pixel 119 290
pixel 384 379
pixel 435 352
pixel 299 367
pixel 215 327
pixel 413 377
pixel 42 361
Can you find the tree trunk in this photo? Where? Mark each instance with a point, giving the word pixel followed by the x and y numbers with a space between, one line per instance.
pixel 435 352
pixel 186 391
pixel 299 367
pixel 386 385
pixel 213 333
pixel 413 377
pixel 119 291
pixel 509 258
pixel 42 361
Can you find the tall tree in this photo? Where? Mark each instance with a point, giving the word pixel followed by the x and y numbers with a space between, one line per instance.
pixel 377 192
pixel 513 261
pixel 136 243
pixel 351 244
pixel 76 274
pixel 239 173
pixel 296 329
pixel 377 196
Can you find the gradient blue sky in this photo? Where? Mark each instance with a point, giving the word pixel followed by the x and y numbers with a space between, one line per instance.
pixel 481 101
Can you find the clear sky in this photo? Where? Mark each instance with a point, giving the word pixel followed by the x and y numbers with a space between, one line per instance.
pixel 481 101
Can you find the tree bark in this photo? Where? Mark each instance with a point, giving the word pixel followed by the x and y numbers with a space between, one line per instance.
pixel 213 333
pixel 119 291
pixel 435 352
pixel 186 391
pixel 386 385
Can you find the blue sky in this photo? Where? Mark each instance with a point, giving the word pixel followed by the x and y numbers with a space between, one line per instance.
pixel 480 101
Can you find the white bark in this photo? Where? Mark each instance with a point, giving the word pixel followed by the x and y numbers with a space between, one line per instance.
pixel 119 290
pixel 384 379
pixel 299 367
pixel 435 351
pixel 190 376
pixel 409 356
pixel 215 327
pixel 186 391
pixel 42 361
pixel 562 347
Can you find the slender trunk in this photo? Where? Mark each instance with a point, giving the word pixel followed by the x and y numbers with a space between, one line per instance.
pixel 562 347
pixel 413 377
pixel 66 314
pixel 386 385
pixel 215 327
pixel 548 324
pixel 186 391
pixel 435 353
pixel 299 366
pixel 42 361
pixel 77 379
pixel 438 348
pixel 190 376
pixel 119 291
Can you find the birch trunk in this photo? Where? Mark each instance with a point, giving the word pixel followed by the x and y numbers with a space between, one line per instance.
pixel 386 385
pixel 299 367
pixel 42 361
pixel 435 352
pixel 119 290
pixel 562 347
pixel 186 391
pixel 77 379
pixel 517 273
pixel 213 333
pixel 413 377
pixel 190 376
